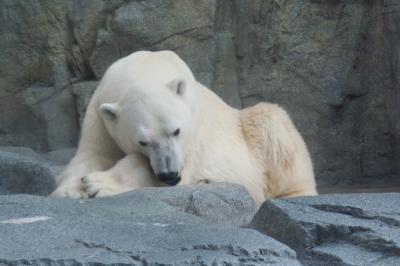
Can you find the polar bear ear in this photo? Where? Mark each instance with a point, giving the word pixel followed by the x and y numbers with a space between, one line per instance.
pixel 109 111
pixel 178 86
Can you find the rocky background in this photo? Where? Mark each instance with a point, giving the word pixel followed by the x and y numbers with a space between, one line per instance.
pixel 334 65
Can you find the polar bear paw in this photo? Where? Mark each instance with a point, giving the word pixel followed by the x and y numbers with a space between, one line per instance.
pixel 71 190
pixel 101 184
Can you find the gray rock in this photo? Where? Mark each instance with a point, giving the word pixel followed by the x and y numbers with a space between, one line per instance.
pixel 320 61
pixel 42 118
pixel 25 174
pixel 23 152
pixel 83 92
pixel 352 229
pixel 35 110
pixel 60 157
pixel 34 35
pixel 23 170
pixel 56 157
pixel 128 229
pixel 183 26
pixel 218 203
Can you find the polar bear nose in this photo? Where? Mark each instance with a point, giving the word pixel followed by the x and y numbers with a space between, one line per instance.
pixel 170 178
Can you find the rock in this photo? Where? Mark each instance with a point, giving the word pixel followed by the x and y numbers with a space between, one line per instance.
pixel 23 152
pixel 105 31
pixel 352 229
pixel 183 26
pixel 218 203
pixel 83 92
pixel 35 110
pixel 319 60
pixel 22 174
pixel 23 170
pixel 58 109
pixel 42 118
pixel 87 18
pixel 34 36
pixel 60 156
pixel 127 229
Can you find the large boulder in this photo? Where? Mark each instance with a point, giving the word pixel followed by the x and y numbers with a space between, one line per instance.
pixel 218 203
pixel 134 229
pixel 352 229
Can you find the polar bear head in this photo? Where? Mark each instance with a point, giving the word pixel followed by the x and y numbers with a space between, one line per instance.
pixel 154 114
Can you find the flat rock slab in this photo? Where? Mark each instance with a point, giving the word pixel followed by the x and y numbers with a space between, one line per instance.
pixel 352 229
pixel 130 229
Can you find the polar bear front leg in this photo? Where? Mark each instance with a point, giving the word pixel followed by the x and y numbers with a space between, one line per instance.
pixel 70 179
pixel 131 172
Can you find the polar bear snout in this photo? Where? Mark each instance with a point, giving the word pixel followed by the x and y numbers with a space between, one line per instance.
pixel 170 178
pixel 166 160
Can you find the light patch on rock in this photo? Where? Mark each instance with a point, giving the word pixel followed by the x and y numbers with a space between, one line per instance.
pixel 140 223
pixel 26 220
pixel 161 225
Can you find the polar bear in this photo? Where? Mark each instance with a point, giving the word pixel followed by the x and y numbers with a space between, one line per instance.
pixel 150 123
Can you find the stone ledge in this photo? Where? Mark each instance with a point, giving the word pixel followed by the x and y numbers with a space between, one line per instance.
pixel 137 228
pixel 347 229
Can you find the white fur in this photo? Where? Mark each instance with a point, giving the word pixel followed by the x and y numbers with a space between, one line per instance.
pixel 145 97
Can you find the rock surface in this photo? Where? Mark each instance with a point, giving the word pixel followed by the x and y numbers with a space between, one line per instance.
pixel 134 229
pixel 218 203
pixel 83 92
pixel 353 229
pixel 334 65
pixel 23 170
pixel 329 64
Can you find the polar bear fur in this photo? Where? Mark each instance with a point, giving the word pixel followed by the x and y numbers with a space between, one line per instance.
pixel 145 98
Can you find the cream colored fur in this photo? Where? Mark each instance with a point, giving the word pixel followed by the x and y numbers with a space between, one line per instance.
pixel 257 147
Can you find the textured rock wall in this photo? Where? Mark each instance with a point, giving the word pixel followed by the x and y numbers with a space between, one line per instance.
pixel 329 65
pixel 334 65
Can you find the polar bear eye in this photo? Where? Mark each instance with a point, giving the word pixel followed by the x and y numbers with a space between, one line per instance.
pixel 143 143
pixel 176 132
